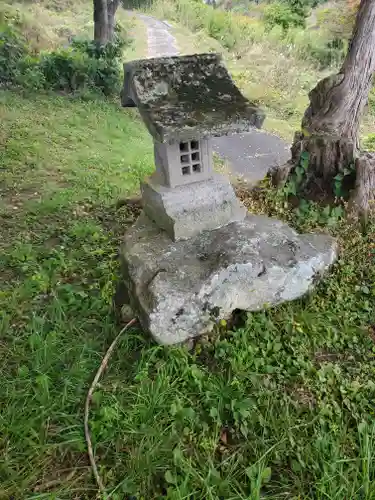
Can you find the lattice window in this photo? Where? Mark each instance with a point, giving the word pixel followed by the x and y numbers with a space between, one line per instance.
pixel 190 158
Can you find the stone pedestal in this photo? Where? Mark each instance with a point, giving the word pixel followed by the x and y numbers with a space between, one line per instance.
pixel 179 290
pixel 186 210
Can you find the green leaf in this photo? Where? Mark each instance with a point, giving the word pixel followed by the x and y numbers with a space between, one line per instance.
pixel 327 211
pixel 177 456
pixel 173 410
pixel 337 212
pixel 300 170
pixel 266 474
pixel 97 397
pixel 250 472
pixel 213 412
pixel 296 466
pixel 23 371
pixel 362 427
pixel 169 477
pixel 215 473
pixel 291 188
pixel 188 412
pixel 277 346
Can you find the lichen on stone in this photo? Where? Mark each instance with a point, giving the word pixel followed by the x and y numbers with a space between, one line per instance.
pixel 189 97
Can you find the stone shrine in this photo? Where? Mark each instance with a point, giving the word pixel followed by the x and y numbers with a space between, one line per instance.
pixel 184 101
pixel 195 255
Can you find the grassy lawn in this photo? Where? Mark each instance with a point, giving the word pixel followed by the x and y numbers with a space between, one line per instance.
pixel 280 407
pixel 65 162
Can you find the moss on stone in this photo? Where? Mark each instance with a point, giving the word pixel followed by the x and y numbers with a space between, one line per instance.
pixel 189 97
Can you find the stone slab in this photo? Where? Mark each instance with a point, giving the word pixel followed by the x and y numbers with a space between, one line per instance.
pixel 179 290
pixel 187 210
pixel 188 97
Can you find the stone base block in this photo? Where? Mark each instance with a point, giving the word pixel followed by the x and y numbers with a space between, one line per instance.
pixel 180 290
pixel 185 211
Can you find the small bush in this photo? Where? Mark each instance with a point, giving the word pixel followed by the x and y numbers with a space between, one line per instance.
pixel 192 14
pixel 12 50
pixel 281 14
pixel 338 23
pixel 29 74
pixel 221 27
pixel 318 50
pixel 83 65
pixel 299 7
pixel 276 34
pixel 67 69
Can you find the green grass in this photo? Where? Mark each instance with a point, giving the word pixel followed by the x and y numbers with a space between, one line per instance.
pixel 280 407
pixel 65 162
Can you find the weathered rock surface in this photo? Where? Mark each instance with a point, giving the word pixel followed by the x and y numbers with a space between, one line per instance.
pixel 180 289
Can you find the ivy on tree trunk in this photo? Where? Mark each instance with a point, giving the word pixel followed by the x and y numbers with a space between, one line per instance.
pixel 330 126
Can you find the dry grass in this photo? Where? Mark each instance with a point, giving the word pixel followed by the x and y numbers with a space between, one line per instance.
pixel 49 24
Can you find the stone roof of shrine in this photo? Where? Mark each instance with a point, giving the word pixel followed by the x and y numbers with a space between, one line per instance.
pixel 188 97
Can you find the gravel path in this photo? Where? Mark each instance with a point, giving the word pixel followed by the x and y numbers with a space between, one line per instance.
pixel 248 155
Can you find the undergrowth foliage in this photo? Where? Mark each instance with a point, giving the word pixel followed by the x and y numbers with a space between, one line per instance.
pixel 80 66
pixel 282 28
pixel 281 14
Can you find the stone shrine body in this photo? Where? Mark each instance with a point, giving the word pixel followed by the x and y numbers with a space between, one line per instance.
pixel 195 255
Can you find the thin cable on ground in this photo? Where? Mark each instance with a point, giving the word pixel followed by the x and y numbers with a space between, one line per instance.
pixel 102 367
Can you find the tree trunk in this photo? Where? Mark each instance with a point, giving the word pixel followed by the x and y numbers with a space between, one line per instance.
pixel 112 8
pixel 100 21
pixel 330 126
pixel 363 195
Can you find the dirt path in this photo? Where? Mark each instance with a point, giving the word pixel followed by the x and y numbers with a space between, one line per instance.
pixel 160 40
pixel 248 155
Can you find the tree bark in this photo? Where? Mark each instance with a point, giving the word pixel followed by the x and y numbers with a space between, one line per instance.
pixel 330 126
pixel 112 8
pixel 363 195
pixel 100 21
pixel 337 102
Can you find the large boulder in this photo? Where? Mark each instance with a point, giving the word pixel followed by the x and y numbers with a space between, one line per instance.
pixel 179 290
